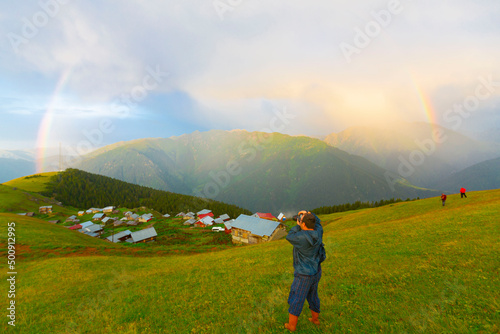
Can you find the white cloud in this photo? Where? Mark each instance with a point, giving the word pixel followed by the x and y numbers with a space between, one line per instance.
pixel 286 52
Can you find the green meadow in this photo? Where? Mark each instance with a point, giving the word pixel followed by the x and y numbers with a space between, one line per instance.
pixel 410 267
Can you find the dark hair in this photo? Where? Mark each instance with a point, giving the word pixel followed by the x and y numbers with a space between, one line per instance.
pixel 310 220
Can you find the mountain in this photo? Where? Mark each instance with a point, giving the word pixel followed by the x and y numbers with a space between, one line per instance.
pixel 11 168
pixel 482 176
pixel 422 153
pixel 255 170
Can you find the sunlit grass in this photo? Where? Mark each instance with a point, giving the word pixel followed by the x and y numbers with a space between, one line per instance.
pixel 413 267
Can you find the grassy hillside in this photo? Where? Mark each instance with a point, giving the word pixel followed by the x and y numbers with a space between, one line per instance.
pixel 20 201
pixel 412 267
pixel 34 183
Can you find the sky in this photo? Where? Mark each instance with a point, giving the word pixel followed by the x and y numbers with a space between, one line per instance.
pixel 84 74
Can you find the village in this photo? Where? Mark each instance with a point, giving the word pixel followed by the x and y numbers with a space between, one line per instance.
pixel 138 226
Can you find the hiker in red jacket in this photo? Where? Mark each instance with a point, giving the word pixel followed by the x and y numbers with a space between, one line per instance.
pixel 443 198
pixel 462 193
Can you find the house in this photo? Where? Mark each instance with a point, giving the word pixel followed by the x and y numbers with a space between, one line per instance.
pixel 204 213
pixel 281 217
pixel 218 221
pixel 75 227
pixel 72 219
pixel 118 222
pixel 146 235
pixel 180 214
pixel 120 236
pixel 145 218
pixel 225 217
pixel 99 216
pixel 128 213
pixel 92 230
pixel 133 222
pixel 108 209
pixel 227 226
pixel 45 209
pixel 207 221
pixel 86 224
pixel 166 215
pixel 267 216
pixel 54 221
pixel 95 210
pixel 189 215
pixel 133 216
pixel 190 222
pixel 28 214
pixel 107 220
pixel 254 230
pixel 81 213
pixel 88 212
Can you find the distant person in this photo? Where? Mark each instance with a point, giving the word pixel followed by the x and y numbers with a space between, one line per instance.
pixel 308 253
pixel 443 198
pixel 462 193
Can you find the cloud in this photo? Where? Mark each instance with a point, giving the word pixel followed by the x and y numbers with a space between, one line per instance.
pixel 223 66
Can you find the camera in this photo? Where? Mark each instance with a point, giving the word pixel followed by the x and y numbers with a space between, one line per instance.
pixel 298 217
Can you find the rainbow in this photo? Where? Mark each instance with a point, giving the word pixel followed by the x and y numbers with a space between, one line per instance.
pixel 46 124
pixel 427 106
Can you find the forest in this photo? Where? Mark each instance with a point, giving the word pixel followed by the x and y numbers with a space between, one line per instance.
pixel 84 190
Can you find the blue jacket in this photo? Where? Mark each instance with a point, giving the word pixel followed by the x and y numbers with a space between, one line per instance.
pixel 306 246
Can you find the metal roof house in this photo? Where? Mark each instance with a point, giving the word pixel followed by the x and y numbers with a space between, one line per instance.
pixel 190 221
pixel 92 230
pixel 225 217
pixel 108 209
pixel 86 224
pixel 120 236
pixel 98 216
pixel 254 230
pixel 146 235
pixel 45 209
pixel 263 215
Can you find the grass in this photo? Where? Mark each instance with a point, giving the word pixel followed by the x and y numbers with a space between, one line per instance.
pixel 33 183
pixel 412 267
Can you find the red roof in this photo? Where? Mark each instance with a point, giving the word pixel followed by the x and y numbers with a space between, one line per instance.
pixel 266 216
pixel 76 227
pixel 205 215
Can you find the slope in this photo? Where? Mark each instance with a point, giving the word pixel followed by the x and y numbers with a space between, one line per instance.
pixel 258 171
pixel 410 267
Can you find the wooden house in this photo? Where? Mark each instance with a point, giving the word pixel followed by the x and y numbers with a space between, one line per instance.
pixel 146 235
pixel 99 216
pixel 120 236
pixel 204 213
pixel 108 209
pixel 145 218
pixel 45 209
pixel 254 230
